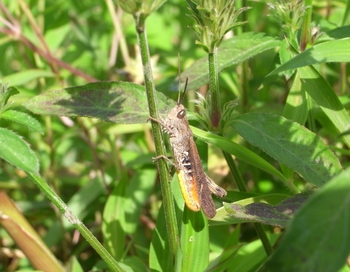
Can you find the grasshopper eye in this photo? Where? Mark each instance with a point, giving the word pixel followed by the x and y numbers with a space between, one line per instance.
pixel 181 114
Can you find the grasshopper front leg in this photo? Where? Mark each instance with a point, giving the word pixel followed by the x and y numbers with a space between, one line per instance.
pixel 160 122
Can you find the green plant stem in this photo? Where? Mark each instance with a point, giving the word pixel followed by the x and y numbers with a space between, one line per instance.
pixel 306 26
pixel 236 175
pixel 245 67
pixel 241 186
pixel 215 110
pixel 90 238
pixel 245 86
pixel 215 118
pixel 259 228
pixel 168 200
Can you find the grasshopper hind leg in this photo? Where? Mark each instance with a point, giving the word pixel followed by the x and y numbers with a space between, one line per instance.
pixel 206 201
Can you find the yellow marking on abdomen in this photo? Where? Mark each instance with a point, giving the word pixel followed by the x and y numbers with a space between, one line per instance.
pixel 189 191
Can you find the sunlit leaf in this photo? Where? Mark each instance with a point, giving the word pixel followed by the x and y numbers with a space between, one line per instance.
pixel 118 102
pixel 231 52
pixel 318 238
pixel 320 53
pixel 291 144
pixel 275 215
pixel 23 119
pixel 28 75
pixel 16 151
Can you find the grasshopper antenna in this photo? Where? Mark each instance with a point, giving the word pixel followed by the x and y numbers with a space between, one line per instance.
pixel 179 97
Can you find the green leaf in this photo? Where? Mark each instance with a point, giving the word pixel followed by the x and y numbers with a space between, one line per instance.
pixel 74 265
pixel 224 215
pixel 86 196
pixel 118 102
pixel 5 94
pixel 16 151
pixel 137 194
pixel 113 218
pixel 250 256
pixel 331 51
pixel 222 263
pixel 271 199
pixel 238 150
pixel 285 55
pixel 291 144
pixel 194 241
pixel 336 33
pixel 296 108
pixel 318 238
pixel 133 263
pixel 231 52
pixel 324 95
pixel 23 119
pixel 275 215
pixel 26 76
pixel 159 255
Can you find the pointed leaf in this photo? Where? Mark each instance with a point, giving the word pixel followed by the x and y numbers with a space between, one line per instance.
pixel 251 255
pixel 223 215
pixel 291 144
pixel 239 151
pixel 275 215
pixel 5 94
pixel 118 102
pixel 23 119
pixel 285 55
pixel 318 238
pixel 231 52
pixel 325 96
pixel 133 263
pixel 336 33
pixel 23 77
pixel 16 151
pixel 222 263
pixel 324 52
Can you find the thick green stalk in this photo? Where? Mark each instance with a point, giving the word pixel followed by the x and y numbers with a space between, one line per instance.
pixel 236 174
pixel 241 186
pixel 215 109
pixel 306 26
pixel 305 40
pixel 215 118
pixel 168 199
pixel 244 65
pixel 90 238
